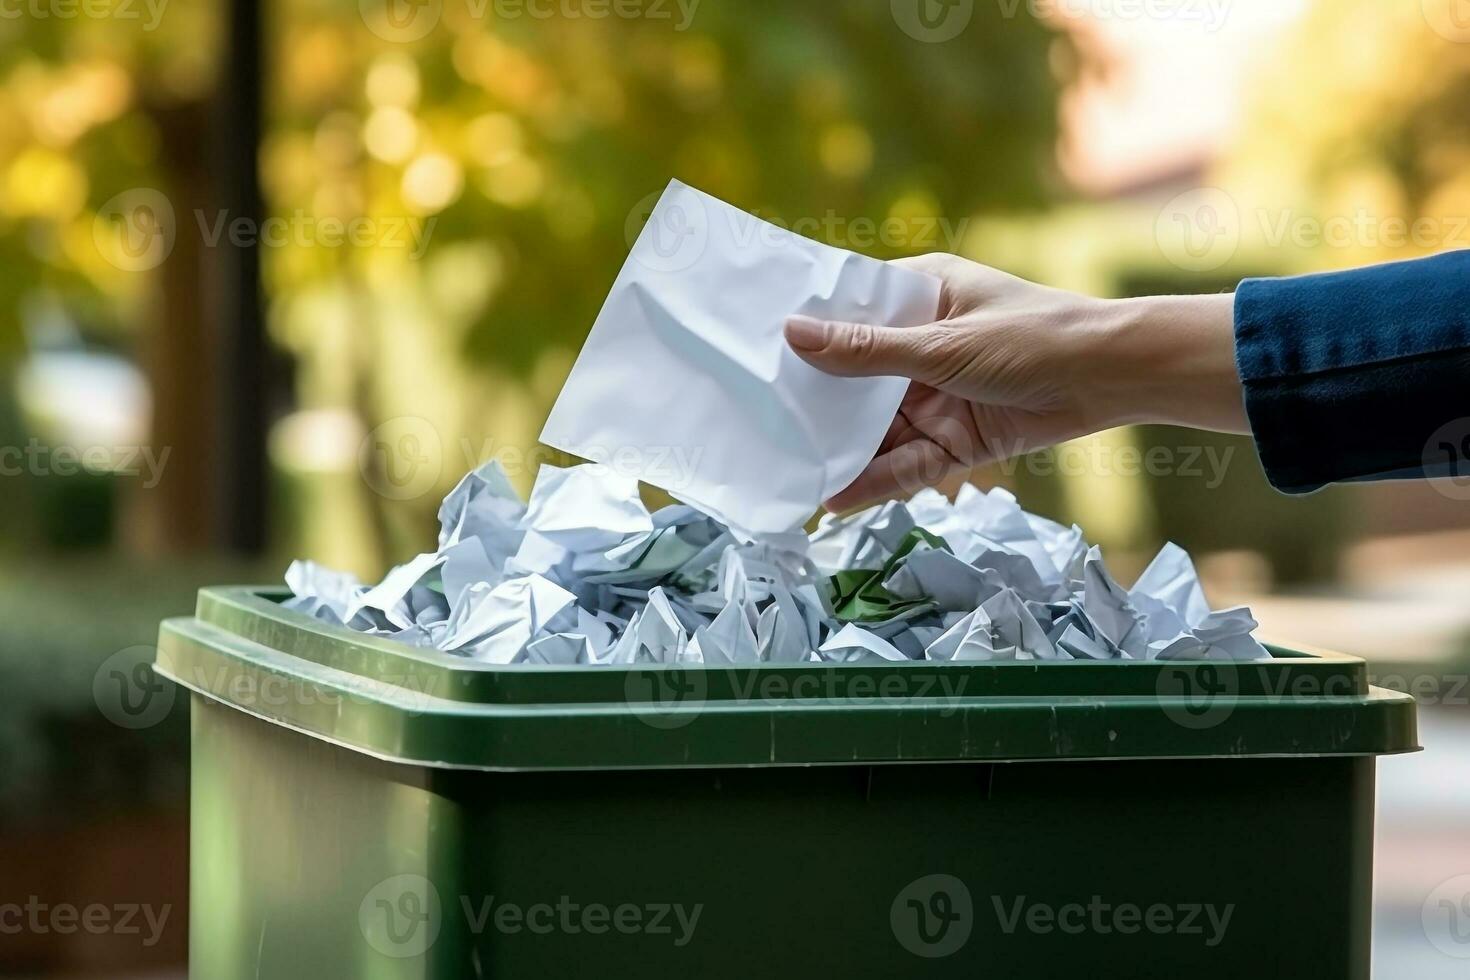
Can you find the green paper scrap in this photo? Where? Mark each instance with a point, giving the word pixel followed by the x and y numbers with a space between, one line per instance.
pixel 858 595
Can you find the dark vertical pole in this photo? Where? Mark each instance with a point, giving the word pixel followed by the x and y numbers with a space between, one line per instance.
pixel 244 368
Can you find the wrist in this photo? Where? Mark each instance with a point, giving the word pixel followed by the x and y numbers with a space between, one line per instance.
pixel 1169 360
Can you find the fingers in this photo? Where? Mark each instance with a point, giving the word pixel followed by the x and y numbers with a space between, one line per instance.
pixel 856 350
pixel 898 474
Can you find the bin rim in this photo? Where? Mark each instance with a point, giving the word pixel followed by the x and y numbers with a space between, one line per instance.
pixel 389 700
pixel 256 613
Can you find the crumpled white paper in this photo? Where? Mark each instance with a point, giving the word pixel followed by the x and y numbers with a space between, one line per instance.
pixel 584 574
pixel 699 308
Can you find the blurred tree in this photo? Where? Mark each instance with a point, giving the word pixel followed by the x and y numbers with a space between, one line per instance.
pixel 102 156
pixel 1364 118
pixel 520 154
pixel 535 139
pixel 452 193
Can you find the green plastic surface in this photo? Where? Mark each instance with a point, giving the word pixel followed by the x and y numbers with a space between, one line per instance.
pixel 365 809
pixel 403 704
pixel 310 861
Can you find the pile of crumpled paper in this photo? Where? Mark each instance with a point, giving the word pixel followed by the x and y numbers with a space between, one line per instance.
pixel 584 574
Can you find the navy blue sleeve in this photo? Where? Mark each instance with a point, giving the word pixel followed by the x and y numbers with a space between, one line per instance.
pixel 1358 375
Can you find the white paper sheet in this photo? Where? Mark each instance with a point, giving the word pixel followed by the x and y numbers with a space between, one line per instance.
pixel 853 644
pixel 687 383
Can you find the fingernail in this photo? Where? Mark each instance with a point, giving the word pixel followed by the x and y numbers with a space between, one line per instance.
pixel 807 333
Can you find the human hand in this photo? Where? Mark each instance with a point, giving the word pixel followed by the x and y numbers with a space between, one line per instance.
pixel 1011 367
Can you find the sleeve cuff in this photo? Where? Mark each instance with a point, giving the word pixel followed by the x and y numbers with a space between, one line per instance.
pixel 1356 375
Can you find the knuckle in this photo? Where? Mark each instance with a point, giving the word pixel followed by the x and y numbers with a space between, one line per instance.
pixel 862 342
pixel 941 350
pixel 937 264
pixel 937 341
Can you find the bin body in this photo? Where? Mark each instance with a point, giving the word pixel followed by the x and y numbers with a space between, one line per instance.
pixel 313 857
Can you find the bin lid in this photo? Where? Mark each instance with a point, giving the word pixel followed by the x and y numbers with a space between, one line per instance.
pixel 405 704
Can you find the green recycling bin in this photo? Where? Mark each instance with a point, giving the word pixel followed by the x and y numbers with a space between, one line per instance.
pixel 369 810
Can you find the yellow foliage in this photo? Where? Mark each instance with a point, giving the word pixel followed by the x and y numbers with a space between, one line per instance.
pixel 44 183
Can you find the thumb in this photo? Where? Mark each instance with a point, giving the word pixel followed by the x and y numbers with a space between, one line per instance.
pixel 857 350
